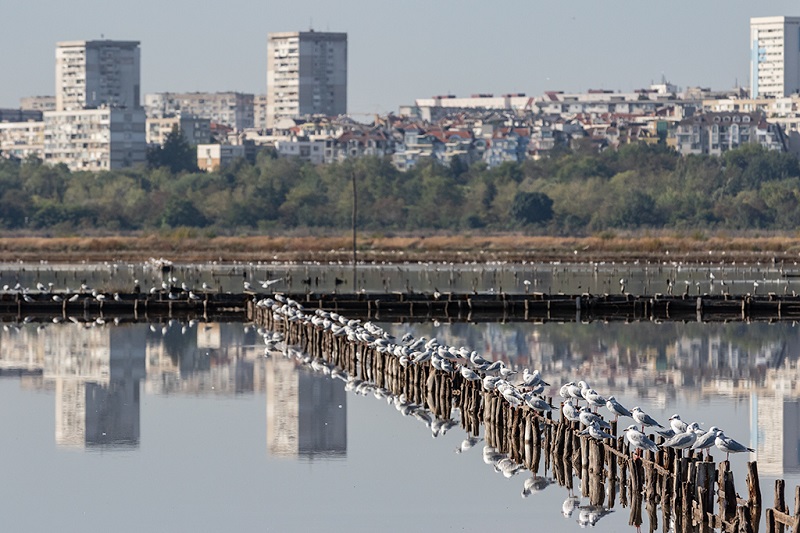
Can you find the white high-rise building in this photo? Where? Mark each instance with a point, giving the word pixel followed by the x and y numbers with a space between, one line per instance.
pixel 774 56
pixel 306 75
pixel 91 74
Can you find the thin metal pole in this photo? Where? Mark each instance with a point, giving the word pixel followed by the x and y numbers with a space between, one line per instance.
pixel 355 212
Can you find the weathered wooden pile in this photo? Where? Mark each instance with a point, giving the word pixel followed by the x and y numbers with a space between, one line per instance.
pixel 696 493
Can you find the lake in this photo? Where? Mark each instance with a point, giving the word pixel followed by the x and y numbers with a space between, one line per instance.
pixel 187 425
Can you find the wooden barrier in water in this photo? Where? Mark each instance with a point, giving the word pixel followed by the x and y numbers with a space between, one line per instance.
pixel 535 307
pixel 698 494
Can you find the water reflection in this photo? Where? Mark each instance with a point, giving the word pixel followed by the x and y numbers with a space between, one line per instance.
pixel 306 412
pixel 96 372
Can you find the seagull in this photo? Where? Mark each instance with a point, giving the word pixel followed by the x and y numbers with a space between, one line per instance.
pixel 592 397
pixel 683 440
pixel 595 432
pixel 677 425
pixel 588 418
pixel 643 418
pixel 639 439
pixel 575 390
pixel 536 403
pixel 729 446
pixel 265 284
pixel 570 412
pixel 706 441
pixel 617 408
pixel 469 374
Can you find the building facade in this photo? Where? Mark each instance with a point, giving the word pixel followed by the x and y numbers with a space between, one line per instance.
pixel 774 56
pixel 716 133
pixel 306 75
pixel 211 157
pixel 95 139
pixel 231 109
pixel 194 129
pixel 19 140
pixel 91 74
pixel 37 103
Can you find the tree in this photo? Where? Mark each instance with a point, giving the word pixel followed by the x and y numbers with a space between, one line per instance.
pixel 532 207
pixel 176 154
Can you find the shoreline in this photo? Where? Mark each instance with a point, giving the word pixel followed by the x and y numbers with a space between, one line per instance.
pixel 511 248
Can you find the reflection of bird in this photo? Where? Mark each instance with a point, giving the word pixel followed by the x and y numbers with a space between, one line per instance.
pixel 468 443
pixel 534 484
pixel 590 514
pixel 569 505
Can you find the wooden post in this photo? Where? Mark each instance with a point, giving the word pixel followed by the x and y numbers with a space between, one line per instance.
pixel 754 494
pixel 780 501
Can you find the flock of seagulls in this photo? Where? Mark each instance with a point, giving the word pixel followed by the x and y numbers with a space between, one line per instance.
pixel 678 436
pixel 516 389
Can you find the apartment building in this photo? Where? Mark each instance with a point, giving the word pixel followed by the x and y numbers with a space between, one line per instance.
pixel 306 75
pixel 19 140
pixel 37 103
pixel 91 74
pixel 211 157
pixel 194 129
pixel 232 109
pixel 774 56
pixel 95 139
pixel 715 133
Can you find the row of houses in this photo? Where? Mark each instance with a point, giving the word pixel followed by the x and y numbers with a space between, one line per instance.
pixel 494 130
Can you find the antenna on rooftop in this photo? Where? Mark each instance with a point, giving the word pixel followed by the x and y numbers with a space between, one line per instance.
pixel 310 23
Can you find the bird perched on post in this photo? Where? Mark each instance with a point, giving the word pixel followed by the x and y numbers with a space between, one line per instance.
pixel 643 418
pixel 639 440
pixel 617 408
pixel 729 446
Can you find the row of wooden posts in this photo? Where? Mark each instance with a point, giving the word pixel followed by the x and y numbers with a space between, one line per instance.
pixel 694 492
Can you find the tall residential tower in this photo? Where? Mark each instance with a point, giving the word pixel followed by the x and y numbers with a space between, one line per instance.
pixel 91 74
pixel 306 75
pixel 774 56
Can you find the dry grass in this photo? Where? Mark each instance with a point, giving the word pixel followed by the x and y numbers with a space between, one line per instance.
pixel 186 246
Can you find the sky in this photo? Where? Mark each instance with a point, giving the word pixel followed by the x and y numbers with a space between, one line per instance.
pixel 399 51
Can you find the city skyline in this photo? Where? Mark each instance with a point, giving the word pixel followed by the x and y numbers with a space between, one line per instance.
pixel 397 56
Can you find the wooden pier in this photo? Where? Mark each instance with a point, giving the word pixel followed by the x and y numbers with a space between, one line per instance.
pixel 696 493
pixel 535 307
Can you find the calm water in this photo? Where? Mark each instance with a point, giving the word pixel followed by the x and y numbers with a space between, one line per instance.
pixel 189 427
pixel 715 277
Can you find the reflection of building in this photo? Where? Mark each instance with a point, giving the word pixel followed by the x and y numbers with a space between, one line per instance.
pixel 306 412
pixel 775 433
pixel 97 373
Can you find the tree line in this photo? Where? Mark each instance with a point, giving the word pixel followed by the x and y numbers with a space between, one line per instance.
pixel 570 192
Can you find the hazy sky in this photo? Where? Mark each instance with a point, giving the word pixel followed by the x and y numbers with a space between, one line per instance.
pixel 401 50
